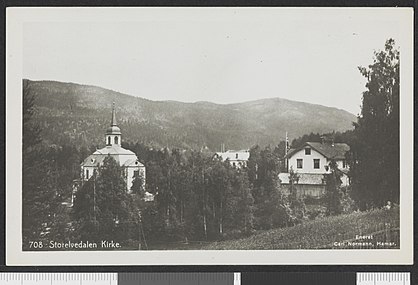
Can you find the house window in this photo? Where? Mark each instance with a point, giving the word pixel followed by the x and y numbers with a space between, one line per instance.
pixel 316 163
pixel 87 173
pixel 307 151
pixel 299 163
pixel 344 164
pixel 236 156
pixel 116 140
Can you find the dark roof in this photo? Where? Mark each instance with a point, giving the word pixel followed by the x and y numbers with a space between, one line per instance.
pixel 330 151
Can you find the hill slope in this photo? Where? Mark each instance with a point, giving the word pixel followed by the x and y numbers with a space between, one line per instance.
pixel 322 233
pixel 79 114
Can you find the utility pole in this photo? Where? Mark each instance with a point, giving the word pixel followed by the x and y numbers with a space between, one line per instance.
pixel 286 149
pixel 94 196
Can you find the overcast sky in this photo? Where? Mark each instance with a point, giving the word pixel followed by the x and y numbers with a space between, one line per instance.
pixel 221 56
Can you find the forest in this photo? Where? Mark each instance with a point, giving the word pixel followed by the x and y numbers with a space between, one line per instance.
pixel 199 198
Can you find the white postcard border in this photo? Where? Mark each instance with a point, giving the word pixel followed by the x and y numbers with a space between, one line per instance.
pixel 14 254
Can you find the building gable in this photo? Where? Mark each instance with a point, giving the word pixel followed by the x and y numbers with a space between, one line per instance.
pixel 308 160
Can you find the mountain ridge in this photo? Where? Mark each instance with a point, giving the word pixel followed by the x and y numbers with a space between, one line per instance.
pixel 85 111
pixel 176 101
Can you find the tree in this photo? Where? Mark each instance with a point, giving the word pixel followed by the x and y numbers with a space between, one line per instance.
pixel 333 194
pixel 105 203
pixel 40 178
pixel 241 203
pixel 31 131
pixel 137 187
pixel 269 201
pixel 85 210
pixel 374 156
pixel 296 203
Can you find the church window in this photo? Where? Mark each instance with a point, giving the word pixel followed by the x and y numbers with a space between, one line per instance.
pixel 236 156
pixel 108 141
pixel 116 140
pixel 87 173
pixel 136 173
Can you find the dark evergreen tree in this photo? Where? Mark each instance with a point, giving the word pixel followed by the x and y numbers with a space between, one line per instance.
pixel 40 179
pixel 269 201
pixel 375 153
pixel 85 211
pixel 138 187
pixel 333 194
pixel 104 208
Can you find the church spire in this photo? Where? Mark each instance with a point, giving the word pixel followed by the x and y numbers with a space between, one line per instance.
pixel 113 134
pixel 113 122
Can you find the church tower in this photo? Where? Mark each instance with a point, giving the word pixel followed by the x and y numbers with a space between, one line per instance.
pixel 126 159
pixel 113 134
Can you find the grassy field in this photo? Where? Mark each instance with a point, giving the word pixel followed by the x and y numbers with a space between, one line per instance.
pixel 318 233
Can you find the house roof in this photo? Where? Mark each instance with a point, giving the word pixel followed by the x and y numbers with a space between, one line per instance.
pixel 304 178
pixel 330 151
pixel 231 155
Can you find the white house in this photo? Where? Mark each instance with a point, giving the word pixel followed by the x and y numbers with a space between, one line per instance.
pixel 311 161
pixel 237 158
pixel 132 167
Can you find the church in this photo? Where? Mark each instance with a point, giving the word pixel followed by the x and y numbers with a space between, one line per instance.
pixel 127 159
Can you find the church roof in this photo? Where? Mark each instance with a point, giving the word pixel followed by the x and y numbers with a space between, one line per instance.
pixel 113 149
pixel 113 129
pixel 133 162
pixel 123 156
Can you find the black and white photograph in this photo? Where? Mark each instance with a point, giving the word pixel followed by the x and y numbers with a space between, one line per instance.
pixel 209 131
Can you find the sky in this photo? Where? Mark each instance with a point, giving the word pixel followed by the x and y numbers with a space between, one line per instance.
pixel 217 55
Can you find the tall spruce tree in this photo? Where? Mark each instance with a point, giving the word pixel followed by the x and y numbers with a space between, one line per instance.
pixel 333 194
pixel 375 154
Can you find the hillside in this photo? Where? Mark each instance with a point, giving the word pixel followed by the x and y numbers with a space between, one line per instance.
pixel 324 232
pixel 75 113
